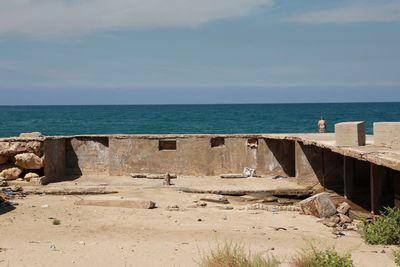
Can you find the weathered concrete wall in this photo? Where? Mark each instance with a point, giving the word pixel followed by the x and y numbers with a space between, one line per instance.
pixel 87 155
pixel 309 164
pixel 193 156
pixel 55 160
pixel 277 157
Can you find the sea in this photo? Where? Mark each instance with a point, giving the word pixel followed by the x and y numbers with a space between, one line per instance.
pixel 189 119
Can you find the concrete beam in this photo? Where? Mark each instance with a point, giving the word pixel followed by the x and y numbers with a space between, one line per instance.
pixel 387 134
pixel 350 133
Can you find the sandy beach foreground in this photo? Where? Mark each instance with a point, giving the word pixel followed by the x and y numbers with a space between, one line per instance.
pixel 116 236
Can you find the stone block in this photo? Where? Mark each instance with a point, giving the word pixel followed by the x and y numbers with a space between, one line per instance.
pixel 387 134
pixel 319 205
pixel 350 133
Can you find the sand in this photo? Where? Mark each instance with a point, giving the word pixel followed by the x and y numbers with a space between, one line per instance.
pixel 116 236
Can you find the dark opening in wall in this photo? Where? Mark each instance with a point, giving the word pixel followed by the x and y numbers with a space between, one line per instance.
pixel 217 142
pixel 252 142
pixel 167 145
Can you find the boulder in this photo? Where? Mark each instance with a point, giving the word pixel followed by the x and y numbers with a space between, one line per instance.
pixel 3 159
pixel 28 161
pixel 13 148
pixel 319 205
pixel 30 176
pixel 11 173
pixel 343 208
pixel 31 135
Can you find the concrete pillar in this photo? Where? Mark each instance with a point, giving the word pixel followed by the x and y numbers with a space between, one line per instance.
pixel 387 134
pixel 350 133
pixel 309 164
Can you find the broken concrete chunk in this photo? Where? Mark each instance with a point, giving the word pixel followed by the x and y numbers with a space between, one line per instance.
pixel 319 205
pixel 232 176
pixel 343 208
pixel 29 161
pixel 344 218
pixel 11 173
pixel 153 175
pixel 31 135
pixel 117 202
pixel 215 199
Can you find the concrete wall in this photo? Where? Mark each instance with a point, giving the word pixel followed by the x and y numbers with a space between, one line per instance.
pixel 193 156
pixel 86 155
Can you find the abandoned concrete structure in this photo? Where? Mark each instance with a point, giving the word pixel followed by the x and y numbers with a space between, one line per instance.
pixel 368 175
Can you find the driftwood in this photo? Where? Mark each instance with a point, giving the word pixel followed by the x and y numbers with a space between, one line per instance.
pixel 69 190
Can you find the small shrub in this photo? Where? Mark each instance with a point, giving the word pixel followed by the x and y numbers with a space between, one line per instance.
pixel 385 230
pixel 396 254
pixel 234 255
pixel 56 221
pixel 321 258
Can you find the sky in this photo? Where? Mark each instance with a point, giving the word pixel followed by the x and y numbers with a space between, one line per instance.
pixel 191 51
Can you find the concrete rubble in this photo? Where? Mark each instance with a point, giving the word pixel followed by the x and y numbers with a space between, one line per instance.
pixel 319 205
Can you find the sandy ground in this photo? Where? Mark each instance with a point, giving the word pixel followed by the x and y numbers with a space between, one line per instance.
pixel 113 236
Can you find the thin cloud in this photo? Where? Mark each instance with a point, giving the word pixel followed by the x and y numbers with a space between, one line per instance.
pixel 76 17
pixel 354 12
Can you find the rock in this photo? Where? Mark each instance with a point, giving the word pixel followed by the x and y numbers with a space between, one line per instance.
pixel 319 205
pixel 29 161
pixel 215 199
pixel 31 175
pixel 113 201
pixel 3 182
pixel 173 208
pixel 3 159
pixel 201 204
pixel 31 135
pixel 343 208
pixel 11 173
pixel 13 148
pixel 344 218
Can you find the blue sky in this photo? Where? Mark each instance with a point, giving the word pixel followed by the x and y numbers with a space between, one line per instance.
pixel 190 51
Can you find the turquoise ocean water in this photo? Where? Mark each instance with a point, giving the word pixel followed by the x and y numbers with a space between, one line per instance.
pixel 156 119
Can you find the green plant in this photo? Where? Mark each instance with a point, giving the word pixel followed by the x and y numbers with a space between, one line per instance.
pixel 234 255
pixel 56 221
pixel 396 254
pixel 384 230
pixel 321 258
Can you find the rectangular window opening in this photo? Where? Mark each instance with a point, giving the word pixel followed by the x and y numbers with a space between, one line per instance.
pixel 252 142
pixel 217 142
pixel 167 145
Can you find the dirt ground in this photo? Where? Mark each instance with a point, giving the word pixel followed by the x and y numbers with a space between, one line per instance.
pixel 115 236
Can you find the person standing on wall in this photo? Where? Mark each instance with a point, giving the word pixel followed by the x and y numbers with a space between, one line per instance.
pixel 322 125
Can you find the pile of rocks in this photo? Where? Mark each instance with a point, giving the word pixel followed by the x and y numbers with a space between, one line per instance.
pixel 322 206
pixel 21 158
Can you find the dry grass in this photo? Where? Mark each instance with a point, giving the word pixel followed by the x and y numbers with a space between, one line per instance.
pixel 234 255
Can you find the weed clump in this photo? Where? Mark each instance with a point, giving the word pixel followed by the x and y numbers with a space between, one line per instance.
pixel 321 258
pixel 385 230
pixel 234 255
pixel 56 221
pixel 396 254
